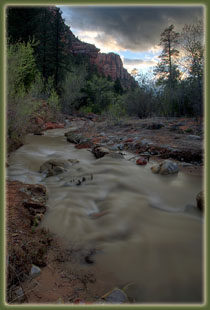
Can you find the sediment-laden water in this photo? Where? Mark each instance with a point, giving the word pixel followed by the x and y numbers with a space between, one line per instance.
pixel 136 220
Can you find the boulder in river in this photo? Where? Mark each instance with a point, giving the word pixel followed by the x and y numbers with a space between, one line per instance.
pixel 100 151
pixel 54 167
pixel 166 167
pixel 200 200
pixel 72 137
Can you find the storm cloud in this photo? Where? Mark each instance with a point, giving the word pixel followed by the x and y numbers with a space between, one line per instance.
pixel 135 28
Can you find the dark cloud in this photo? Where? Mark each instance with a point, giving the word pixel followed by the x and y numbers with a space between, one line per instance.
pixel 135 28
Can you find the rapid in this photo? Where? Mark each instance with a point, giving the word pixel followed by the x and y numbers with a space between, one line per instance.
pixel 137 222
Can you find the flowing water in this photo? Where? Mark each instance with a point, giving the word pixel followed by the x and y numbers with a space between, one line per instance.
pixel 136 219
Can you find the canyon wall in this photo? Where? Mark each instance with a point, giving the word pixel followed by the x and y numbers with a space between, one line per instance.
pixel 108 64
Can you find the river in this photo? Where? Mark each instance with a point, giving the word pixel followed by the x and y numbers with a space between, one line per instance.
pixel 143 233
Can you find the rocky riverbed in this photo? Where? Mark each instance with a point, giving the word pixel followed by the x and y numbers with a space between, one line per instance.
pixel 105 203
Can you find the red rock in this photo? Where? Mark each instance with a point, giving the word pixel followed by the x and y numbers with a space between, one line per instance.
pixel 128 140
pixel 107 64
pixel 48 126
pixel 141 161
pixel 97 140
pixel 111 65
pixel 83 145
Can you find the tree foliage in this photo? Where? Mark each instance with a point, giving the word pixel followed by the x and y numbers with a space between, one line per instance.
pixel 179 73
pixel 42 65
pixel 47 27
pixel 21 67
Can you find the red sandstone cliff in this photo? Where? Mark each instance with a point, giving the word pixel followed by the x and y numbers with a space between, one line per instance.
pixel 111 65
pixel 108 64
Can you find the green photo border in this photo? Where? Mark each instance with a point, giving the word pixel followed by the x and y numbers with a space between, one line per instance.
pixel 3 3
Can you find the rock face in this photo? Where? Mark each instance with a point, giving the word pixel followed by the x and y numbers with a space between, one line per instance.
pixel 111 65
pixel 108 64
pixel 79 47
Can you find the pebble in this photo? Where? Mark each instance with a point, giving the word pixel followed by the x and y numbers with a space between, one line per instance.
pixel 116 296
pixel 35 271
pixel 141 161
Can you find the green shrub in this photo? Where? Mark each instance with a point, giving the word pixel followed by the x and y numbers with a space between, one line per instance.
pixel 25 88
pixel 54 106
pixel 86 110
pixel 72 88
pixel 21 69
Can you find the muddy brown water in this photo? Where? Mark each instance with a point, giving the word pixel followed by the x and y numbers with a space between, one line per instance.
pixel 144 234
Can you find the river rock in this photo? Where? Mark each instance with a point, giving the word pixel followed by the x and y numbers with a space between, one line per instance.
pixel 18 295
pixel 84 145
pixel 193 137
pixel 100 151
pixel 34 207
pixel 200 200
pixel 117 147
pixel 54 167
pixel 48 126
pixel 116 296
pixel 38 132
pixel 115 155
pixel 166 167
pixel 67 122
pixel 35 271
pixel 145 142
pixel 72 137
pixel 141 161
pixel 153 125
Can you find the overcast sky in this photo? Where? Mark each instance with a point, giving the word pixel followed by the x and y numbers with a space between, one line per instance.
pixel 132 32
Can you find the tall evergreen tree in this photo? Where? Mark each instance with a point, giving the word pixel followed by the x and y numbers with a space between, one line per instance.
pixel 47 27
pixel 167 71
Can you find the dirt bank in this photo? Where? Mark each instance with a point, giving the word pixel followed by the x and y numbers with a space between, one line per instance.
pixel 29 245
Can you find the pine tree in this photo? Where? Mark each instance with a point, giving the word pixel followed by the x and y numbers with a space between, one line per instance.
pixel 167 71
pixel 47 27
